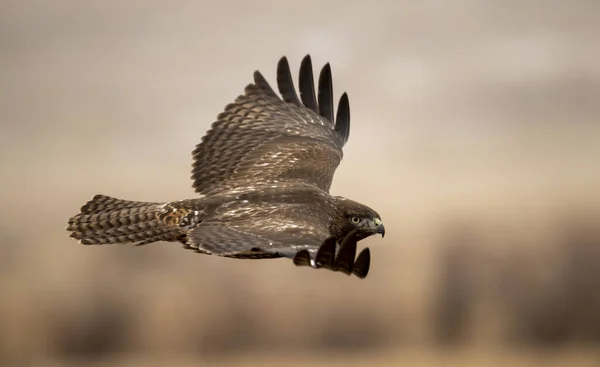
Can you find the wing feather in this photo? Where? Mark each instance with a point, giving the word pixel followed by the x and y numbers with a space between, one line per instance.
pixel 265 89
pixel 326 93
pixel 285 83
pixel 307 84
pixel 326 257
pixel 260 138
pixel 342 120
pixel 233 240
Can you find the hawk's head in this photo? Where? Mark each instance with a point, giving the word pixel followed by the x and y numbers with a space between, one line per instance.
pixel 350 215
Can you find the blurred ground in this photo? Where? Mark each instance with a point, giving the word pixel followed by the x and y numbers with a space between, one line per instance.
pixel 474 133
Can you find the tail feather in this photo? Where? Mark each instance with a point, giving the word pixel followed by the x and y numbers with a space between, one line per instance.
pixel 102 204
pixel 105 220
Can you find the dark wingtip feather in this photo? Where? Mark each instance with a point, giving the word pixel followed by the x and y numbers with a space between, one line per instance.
pixel 302 258
pixel 307 84
pixel 342 120
pixel 326 253
pixel 262 84
pixel 362 264
pixel 285 82
pixel 326 93
pixel 344 260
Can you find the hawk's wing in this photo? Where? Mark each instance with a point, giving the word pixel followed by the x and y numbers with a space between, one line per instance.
pixel 307 246
pixel 261 138
pixel 267 228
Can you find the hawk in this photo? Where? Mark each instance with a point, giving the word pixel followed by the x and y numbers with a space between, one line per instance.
pixel 263 173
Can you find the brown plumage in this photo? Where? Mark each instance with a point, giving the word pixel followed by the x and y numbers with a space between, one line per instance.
pixel 263 171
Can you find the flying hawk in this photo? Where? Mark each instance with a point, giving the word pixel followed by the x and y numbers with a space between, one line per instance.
pixel 263 173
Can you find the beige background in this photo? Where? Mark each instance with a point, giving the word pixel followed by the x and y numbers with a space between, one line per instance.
pixel 475 133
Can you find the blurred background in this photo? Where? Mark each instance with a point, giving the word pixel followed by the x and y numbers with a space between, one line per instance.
pixel 475 134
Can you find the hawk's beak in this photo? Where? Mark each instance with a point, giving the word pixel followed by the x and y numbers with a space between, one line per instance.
pixel 381 229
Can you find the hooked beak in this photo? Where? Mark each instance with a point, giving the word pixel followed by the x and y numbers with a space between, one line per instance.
pixel 381 229
pixel 378 226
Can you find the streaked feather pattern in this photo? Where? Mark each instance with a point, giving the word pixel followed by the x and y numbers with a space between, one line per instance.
pixel 266 138
pixel 105 220
pixel 264 170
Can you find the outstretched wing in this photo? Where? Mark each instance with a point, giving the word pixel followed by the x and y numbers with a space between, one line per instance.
pixel 261 138
pixel 276 229
pixel 307 244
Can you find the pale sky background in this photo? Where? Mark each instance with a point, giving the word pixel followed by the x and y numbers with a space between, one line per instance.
pixel 484 112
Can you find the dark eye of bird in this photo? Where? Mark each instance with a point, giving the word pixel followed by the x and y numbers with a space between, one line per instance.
pixel 355 220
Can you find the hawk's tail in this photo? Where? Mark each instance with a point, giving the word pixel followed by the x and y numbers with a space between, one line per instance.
pixel 105 220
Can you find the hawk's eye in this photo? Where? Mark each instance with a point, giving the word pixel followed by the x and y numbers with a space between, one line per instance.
pixel 355 220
